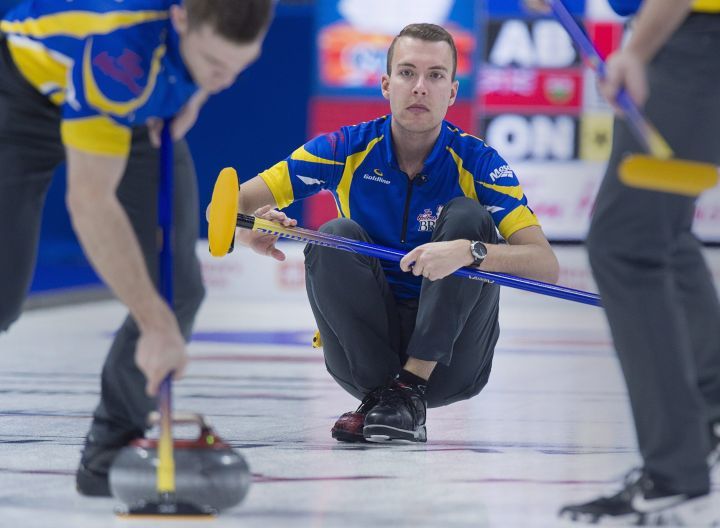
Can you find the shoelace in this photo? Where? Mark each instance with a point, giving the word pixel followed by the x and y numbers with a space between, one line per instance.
pixel 400 394
pixel 369 401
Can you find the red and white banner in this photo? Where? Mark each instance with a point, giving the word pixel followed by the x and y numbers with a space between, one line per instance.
pixel 527 90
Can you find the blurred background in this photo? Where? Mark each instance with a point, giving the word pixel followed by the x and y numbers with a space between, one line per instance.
pixel 523 89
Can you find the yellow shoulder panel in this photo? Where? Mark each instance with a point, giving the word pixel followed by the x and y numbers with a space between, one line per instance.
pixel 79 24
pixel 706 6
pixel 353 162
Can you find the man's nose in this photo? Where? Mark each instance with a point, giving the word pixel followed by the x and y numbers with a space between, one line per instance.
pixel 419 88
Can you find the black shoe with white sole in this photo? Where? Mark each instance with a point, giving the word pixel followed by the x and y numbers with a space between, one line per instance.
pixel 642 503
pixel 399 416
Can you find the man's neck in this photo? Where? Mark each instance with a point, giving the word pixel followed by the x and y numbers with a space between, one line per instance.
pixel 412 148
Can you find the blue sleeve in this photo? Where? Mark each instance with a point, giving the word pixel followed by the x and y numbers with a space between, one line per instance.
pixel 315 166
pixel 498 189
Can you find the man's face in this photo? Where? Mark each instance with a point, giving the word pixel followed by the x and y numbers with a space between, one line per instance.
pixel 420 88
pixel 213 61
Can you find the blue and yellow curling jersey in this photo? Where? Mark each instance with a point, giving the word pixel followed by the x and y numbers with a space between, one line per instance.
pixel 108 64
pixel 358 166
pixel 630 7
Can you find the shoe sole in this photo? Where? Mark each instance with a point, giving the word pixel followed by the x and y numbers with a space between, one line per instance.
pixel 386 434
pixel 90 484
pixel 701 511
pixel 343 436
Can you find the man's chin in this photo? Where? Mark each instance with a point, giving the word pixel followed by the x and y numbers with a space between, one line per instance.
pixel 419 125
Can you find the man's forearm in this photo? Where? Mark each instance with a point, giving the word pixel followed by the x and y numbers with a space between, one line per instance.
pixel 108 239
pixel 110 243
pixel 532 261
pixel 655 22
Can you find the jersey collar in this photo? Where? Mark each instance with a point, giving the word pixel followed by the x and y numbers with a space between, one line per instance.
pixel 435 154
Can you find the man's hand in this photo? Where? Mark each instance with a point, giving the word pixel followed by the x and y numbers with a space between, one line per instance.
pixel 181 123
pixel 437 260
pixel 160 351
pixel 265 244
pixel 624 69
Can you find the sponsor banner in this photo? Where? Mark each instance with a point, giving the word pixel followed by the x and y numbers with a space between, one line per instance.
pixel 526 90
pixel 593 102
pixel 538 43
pixel 561 195
pixel 596 136
pixel 353 37
pixel 533 137
pixel 515 9
pixel 246 276
pixel 607 36
pixel 707 216
pixel 329 114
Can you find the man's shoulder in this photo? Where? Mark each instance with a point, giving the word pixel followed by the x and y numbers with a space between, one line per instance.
pixel 361 135
pixel 468 146
pixel 88 11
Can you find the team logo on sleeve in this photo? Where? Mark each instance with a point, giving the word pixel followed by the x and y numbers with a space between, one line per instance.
pixel 309 181
pixel 502 172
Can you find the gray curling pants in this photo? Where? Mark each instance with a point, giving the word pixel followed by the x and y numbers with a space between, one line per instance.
pixel 656 288
pixel 30 151
pixel 368 335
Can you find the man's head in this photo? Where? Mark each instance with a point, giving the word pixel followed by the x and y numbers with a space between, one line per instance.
pixel 220 38
pixel 420 80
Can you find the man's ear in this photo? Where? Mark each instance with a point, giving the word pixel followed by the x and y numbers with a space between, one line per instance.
pixel 179 19
pixel 385 85
pixel 454 92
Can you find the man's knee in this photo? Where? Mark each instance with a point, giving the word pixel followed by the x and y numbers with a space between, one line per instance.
pixel 464 217
pixel 343 227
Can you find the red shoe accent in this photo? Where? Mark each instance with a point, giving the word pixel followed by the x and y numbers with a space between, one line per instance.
pixel 349 427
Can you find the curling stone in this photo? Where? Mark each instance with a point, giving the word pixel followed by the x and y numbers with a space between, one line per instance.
pixel 209 474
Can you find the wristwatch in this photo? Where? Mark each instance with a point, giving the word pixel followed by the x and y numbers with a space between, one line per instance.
pixel 478 252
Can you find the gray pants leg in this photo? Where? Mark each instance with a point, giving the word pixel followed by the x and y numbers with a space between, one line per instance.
pixel 457 319
pixel 124 406
pixel 366 332
pixel 656 288
pixel 355 311
pixel 30 151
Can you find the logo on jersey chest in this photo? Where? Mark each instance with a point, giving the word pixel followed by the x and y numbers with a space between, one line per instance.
pixel 125 69
pixel 426 219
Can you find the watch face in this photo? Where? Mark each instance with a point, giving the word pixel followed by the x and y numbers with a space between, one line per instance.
pixel 479 250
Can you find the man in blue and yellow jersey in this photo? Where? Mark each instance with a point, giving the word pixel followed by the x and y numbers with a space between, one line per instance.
pixel 88 82
pixel 656 288
pixel 400 338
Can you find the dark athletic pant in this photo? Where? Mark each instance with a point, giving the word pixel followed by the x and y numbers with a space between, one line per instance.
pixel 368 335
pixel 655 286
pixel 30 151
